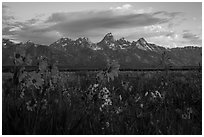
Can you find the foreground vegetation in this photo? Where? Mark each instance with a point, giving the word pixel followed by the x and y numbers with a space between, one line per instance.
pixel 47 101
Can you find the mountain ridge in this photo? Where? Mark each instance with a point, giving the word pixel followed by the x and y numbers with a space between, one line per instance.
pixel 84 53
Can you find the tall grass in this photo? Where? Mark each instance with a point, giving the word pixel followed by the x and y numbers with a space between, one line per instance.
pixel 146 104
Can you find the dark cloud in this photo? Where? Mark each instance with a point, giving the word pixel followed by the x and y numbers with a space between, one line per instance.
pixel 168 14
pixel 82 22
pixel 190 36
pixel 88 24
pixel 33 21
pixel 92 20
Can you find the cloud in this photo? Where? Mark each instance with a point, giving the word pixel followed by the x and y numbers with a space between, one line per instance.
pixel 109 22
pixel 123 7
pixel 167 14
pixel 7 17
pixel 190 36
pixel 33 20
pixel 129 9
pixel 84 22
pixel 93 24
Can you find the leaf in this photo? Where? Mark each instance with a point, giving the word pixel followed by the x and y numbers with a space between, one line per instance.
pixel 111 76
pixel 22 76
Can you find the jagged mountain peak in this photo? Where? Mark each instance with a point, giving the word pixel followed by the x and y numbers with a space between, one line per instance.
pixel 142 40
pixel 83 39
pixel 63 39
pixel 108 42
pixel 109 37
pixel 142 44
pixel 109 34
pixel 29 42
pixel 123 40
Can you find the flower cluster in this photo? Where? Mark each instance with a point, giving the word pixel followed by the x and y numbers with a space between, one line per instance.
pixel 92 90
pixel 31 105
pixel 111 72
pixel 21 58
pixel 187 113
pixel 104 94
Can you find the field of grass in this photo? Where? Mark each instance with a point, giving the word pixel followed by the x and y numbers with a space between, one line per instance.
pixel 88 103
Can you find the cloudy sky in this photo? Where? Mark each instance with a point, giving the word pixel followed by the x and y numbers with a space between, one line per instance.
pixel 165 24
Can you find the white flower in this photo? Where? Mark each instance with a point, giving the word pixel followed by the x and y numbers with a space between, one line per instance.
pixel 158 94
pixel 107 124
pixel 120 97
pixel 153 95
pixel 95 85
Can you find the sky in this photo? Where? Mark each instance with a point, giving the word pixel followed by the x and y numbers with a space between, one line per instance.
pixel 168 24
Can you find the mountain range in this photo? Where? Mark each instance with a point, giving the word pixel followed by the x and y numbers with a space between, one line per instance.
pixel 82 53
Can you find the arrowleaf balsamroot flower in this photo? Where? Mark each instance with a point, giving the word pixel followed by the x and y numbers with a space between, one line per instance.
pixel 35 79
pixel 110 72
pixel 19 56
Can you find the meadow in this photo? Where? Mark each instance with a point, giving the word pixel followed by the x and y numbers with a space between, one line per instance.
pixel 155 103
pixel 107 102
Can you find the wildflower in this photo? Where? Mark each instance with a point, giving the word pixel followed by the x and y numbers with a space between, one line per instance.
pixel 137 99
pixel 95 85
pixel 184 116
pixel 100 108
pixel 120 97
pixel 146 94
pixel 158 94
pixel 104 93
pixel 108 102
pixel 107 124
pixel 22 94
pixel 110 72
pixel 153 95
pixel 36 80
pixel 189 110
pixel 31 105
pixel 119 110
pixel 141 105
pixel 130 88
pixel 22 76
pixel 19 56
